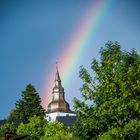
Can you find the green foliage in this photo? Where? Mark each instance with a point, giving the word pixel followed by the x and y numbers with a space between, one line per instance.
pixel 29 105
pixel 131 131
pixel 35 128
pixel 7 127
pixel 114 95
pixel 38 128
pixel 31 113
pixel 56 131
pixel 13 116
pixel 26 107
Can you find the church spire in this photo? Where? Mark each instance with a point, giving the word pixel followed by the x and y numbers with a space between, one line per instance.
pixel 58 103
pixel 57 77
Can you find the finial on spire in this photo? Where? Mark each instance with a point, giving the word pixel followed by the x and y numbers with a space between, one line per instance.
pixel 56 62
pixel 56 65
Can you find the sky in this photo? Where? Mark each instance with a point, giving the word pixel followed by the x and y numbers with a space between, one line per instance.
pixel 35 34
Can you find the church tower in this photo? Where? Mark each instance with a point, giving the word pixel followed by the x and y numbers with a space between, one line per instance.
pixel 58 106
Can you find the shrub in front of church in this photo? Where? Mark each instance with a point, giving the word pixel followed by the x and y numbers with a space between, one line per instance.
pixel 35 128
pixel 56 131
pixel 7 127
pixel 41 129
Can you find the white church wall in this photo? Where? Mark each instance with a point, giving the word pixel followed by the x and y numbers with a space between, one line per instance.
pixel 52 116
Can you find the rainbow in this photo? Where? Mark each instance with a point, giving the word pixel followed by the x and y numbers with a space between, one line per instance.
pixel 77 44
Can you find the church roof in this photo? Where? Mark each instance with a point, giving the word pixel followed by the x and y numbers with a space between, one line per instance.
pixel 66 120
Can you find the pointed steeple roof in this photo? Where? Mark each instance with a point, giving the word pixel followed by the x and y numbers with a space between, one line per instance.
pixel 58 102
pixel 57 77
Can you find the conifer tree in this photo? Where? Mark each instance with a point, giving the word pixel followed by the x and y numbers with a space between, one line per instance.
pixel 29 105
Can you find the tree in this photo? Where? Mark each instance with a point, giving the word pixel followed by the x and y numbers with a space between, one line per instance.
pixel 35 128
pixel 13 116
pixel 29 105
pixel 56 131
pixel 7 127
pixel 114 95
